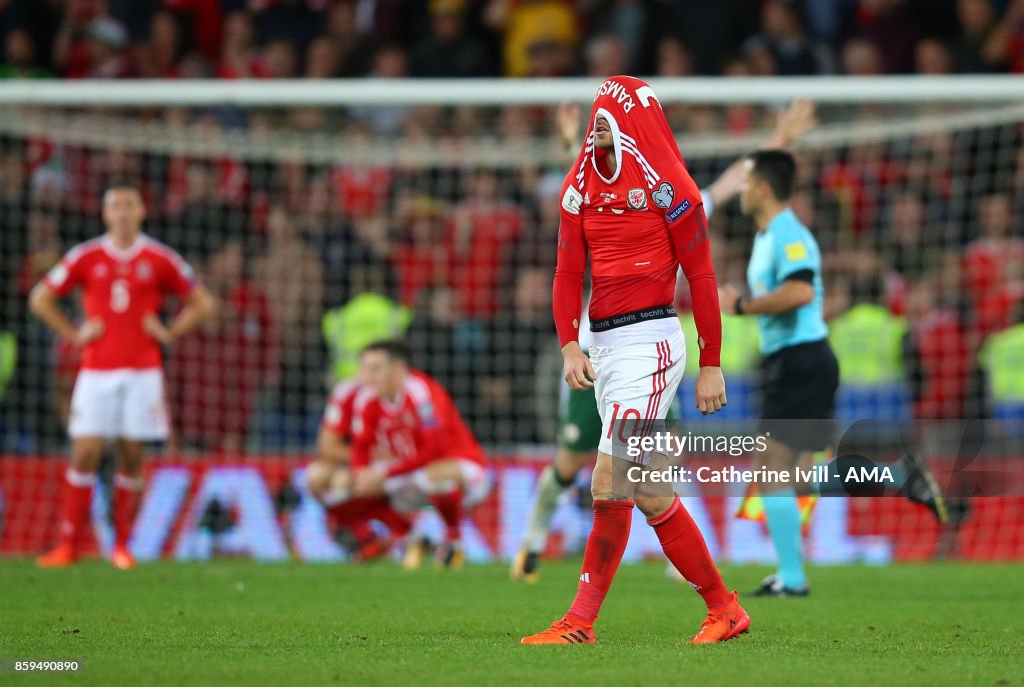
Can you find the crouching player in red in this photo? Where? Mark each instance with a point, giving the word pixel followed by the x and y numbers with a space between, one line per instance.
pixel 119 392
pixel 435 458
pixel 330 477
pixel 630 203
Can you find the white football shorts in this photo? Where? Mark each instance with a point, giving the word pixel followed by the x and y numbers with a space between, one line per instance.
pixel 639 368
pixel 119 404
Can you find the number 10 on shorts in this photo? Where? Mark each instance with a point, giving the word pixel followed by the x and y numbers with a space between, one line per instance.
pixel 629 414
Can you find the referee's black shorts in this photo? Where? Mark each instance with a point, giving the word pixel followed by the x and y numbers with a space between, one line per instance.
pixel 798 395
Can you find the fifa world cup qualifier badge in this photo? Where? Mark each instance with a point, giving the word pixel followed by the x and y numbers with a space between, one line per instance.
pixel 637 199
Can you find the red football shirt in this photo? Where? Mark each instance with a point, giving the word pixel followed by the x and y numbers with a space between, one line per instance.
pixel 338 415
pixel 638 223
pixel 122 287
pixel 420 427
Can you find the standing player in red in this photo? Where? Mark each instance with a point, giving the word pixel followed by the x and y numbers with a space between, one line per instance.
pixel 119 392
pixel 330 477
pixel 414 420
pixel 629 202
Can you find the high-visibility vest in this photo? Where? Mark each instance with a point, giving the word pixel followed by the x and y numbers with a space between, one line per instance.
pixel 348 329
pixel 868 343
pixel 8 360
pixel 1002 358
pixel 740 347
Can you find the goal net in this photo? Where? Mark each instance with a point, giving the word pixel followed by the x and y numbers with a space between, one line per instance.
pixel 327 215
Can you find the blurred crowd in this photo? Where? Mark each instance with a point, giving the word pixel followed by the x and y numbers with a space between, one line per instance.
pixel 231 39
pixel 313 261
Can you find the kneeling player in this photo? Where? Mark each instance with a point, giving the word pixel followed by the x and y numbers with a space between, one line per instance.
pixel 436 458
pixel 330 481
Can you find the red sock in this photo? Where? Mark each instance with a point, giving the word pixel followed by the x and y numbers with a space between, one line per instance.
pixel 77 500
pixel 396 522
pixel 449 507
pixel 127 494
pixel 684 545
pixel 353 515
pixel 602 556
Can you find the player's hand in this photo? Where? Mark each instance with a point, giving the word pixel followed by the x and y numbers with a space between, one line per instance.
pixel 710 390
pixel 368 482
pixel 567 122
pixel 578 370
pixel 793 122
pixel 727 297
pixel 152 325
pixel 88 332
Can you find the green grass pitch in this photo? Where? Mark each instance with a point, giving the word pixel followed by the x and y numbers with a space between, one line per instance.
pixel 242 623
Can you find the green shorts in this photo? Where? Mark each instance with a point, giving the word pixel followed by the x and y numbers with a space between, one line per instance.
pixel 580 429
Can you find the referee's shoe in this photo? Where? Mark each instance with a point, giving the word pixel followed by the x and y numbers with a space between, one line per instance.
pixel 921 487
pixel 773 586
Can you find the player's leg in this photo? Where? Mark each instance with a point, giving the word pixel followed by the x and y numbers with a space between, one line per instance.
pixel 613 514
pixel 79 481
pixel 798 401
pixel 684 546
pixel 348 519
pixel 782 515
pixel 553 481
pixel 128 485
pixel 142 418
pixel 352 518
pixel 622 377
pixel 453 486
pixel 93 420
pixel 680 538
pixel 578 440
pixel 672 428
pixel 911 477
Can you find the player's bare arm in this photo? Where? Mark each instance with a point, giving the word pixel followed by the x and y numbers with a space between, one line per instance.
pixel 332 448
pixel 45 304
pixel 567 125
pixel 200 305
pixel 791 294
pixel 369 481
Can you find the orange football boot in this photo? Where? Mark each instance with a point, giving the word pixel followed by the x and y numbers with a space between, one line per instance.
pixel 122 559
pixel 568 630
pixel 60 556
pixel 723 623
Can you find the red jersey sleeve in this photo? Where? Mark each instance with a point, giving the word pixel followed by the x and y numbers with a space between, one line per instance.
pixel 177 276
pixel 338 414
pixel 688 231
pixel 364 429
pixel 567 290
pixel 67 274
